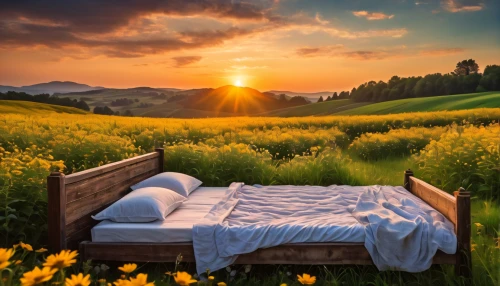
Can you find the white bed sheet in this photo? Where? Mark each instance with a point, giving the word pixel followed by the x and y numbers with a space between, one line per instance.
pixel 177 226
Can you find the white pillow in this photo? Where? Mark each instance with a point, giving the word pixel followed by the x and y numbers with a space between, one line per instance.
pixel 142 205
pixel 177 182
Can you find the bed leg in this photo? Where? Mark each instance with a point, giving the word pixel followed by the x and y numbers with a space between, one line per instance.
pixel 463 263
pixel 408 174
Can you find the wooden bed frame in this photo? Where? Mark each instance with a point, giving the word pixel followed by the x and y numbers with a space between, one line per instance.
pixel 74 198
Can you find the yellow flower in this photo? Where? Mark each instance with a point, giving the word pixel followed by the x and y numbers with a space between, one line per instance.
pixel 211 278
pixel 183 278
pixel 5 255
pixel 169 273
pixel 473 247
pixel 61 260
pixel 306 279
pixel 128 268
pixel 26 246
pixel 18 262
pixel 41 250
pixel 122 282
pixel 283 284
pixel 78 280
pixel 141 280
pixel 37 276
pixel 221 284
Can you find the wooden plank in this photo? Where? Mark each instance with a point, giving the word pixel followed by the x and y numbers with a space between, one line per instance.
pixel 56 211
pixel 87 205
pixel 463 266
pixel 309 253
pixel 161 157
pixel 299 253
pixel 436 198
pixel 90 186
pixel 108 168
pixel 137 252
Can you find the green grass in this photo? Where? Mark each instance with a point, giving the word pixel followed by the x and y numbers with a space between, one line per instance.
pixel 435 103
pixel 315 109
pixel 27 107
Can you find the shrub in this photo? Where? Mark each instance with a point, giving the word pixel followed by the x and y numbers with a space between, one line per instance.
pixel 396 142
pixel 466 157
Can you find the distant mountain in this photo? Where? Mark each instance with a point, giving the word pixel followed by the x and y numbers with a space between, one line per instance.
pixel 51 87
pixel 237 100
pixel 312 96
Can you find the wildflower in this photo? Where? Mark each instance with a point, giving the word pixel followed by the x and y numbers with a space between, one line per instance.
pixel 479 228
pixel 211 278
pixel 128 268
pixel 17 172
pixel 18 262
pixel 221 284
pixel 78 280
pixel 283 284
pixel 101 281
pixel 37 276
pixel 41 250
pixel 141 280
pixel 183 278
pixel 5 255
pixel 169 273
pixel 473 247
pixel 61 260
pixel 306 279
pixel 121 282
pixel 26 246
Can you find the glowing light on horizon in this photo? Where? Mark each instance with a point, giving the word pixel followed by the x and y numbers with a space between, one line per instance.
pixel 238 83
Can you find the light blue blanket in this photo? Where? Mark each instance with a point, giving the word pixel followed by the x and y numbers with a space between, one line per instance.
pixel 252 217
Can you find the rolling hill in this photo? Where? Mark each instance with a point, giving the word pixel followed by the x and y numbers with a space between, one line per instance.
pixel 435 103
pixel 315 109
pixel 50 87
pixel 27 107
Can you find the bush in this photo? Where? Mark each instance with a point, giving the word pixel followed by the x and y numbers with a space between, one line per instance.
pixel 397 142
pixel 466 157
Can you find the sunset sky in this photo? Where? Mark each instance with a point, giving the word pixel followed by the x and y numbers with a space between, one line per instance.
pixel 298 45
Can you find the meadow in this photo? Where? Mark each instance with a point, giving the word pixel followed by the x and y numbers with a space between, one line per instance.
pixel 447 148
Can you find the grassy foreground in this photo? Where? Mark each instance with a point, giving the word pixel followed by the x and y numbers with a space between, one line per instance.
pixel 357 150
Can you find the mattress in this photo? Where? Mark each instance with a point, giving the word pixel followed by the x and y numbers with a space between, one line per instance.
pixel 177 226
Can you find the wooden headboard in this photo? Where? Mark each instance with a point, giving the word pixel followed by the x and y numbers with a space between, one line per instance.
pixel 72 199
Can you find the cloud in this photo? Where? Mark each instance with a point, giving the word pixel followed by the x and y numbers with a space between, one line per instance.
pixel 140 28
pixel 455 6
pixel 372 15
pixel 185 60
pixel 366 55
pixel 442 52
pixel 317 51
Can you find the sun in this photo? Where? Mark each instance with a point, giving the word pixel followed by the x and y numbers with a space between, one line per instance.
pixel 238 83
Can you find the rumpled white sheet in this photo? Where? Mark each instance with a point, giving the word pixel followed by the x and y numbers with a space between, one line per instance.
pixel 402 234
pixel 252 217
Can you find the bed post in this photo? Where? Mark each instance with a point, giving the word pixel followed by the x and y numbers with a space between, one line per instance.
pixel 57 211
pixel 407 185
pixel 161 153
pixel 463 264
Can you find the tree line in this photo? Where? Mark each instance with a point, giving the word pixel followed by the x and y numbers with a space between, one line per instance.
pixel 464 79
pixel 45 98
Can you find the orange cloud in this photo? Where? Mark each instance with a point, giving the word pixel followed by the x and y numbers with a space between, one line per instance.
pixel 185 60
pixel 372 15
pixel 317 51
pixel 442 52
pixel 455 6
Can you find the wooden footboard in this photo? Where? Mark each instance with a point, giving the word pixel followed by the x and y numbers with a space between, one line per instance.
pixel 455 208
pixel 74 198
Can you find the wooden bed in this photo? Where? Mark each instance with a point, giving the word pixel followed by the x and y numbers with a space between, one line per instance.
pixel 74 198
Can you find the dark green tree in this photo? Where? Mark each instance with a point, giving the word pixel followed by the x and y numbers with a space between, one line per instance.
pixel 466 67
